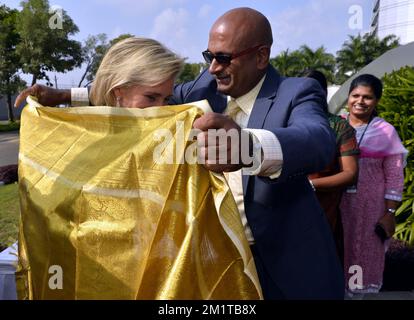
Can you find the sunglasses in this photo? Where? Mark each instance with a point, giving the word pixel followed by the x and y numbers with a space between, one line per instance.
pixel 223 58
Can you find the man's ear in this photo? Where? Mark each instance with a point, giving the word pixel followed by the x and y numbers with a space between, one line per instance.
pixel 263 56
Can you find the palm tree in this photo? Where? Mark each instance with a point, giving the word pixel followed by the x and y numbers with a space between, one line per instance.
pixel 296 63
pixel 190 72
pixel 317 60
pixel 358 51
pixel 286 63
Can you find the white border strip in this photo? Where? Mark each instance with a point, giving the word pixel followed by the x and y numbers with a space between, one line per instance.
pixel 135 112
pixel 119 193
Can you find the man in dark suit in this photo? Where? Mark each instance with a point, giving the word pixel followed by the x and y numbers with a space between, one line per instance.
pixel 290 239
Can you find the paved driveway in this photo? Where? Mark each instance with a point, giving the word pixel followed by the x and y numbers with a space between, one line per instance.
pixel 9 147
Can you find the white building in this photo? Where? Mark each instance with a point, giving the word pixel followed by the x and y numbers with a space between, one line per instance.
pixel 394 17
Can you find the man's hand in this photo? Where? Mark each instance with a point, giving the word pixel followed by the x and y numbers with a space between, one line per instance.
pixel 223 146
pixel 45 95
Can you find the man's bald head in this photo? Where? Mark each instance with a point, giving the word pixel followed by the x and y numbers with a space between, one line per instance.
pixel 248 26
pixel 244 35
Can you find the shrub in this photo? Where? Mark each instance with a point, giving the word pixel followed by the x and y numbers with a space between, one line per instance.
pixel 397 107
pixel 11 126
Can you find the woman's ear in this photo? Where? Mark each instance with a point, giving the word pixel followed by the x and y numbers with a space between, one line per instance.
pixel 117 93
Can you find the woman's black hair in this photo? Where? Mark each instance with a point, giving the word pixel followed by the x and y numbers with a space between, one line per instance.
pixel 318 76
pixel 367 80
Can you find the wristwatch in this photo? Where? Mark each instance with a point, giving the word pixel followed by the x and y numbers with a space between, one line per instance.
pixel 391 211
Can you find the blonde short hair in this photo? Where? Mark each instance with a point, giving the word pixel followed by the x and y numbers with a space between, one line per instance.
pixel 133 61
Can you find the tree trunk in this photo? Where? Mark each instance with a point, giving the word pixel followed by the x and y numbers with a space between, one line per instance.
pixel 84 75
pixel 10 108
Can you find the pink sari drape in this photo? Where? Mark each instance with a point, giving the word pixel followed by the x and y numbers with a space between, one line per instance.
pixel 374 145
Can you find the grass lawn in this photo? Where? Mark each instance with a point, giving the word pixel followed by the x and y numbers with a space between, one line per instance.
pixel 11 126
pixel 9 215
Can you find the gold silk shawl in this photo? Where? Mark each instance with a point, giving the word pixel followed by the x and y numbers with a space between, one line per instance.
pixel 100 219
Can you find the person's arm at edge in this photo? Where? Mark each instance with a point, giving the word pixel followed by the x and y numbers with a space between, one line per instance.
pixel 51 97
pixel 347 176
pixel 308 143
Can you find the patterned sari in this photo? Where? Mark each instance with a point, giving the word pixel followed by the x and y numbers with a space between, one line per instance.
pixel 102 218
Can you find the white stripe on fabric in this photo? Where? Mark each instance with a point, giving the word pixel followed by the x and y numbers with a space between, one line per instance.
pixel 119 193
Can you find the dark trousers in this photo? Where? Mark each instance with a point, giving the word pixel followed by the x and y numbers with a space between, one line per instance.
pixel 269 288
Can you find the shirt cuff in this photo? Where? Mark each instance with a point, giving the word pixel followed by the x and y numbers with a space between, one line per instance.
pixel 269 161
pixel 79 97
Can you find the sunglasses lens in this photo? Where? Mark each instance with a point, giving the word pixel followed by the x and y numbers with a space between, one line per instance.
pixel 223 59
pixel 208 56
pixel 220 58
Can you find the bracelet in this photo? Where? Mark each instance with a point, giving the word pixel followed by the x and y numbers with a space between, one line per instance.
pixel 391 211
pixel 312 185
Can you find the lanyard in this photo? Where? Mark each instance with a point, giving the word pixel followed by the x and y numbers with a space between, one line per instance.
pixel 365 130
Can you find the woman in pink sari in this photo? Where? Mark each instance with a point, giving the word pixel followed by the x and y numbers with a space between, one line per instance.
pixel 368 208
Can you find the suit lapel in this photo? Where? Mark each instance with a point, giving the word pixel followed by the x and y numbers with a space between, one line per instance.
pixel 264 100
pixel 262 106
pixel 218 103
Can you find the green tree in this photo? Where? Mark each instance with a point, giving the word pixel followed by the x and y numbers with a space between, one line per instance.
pixel 359 51
pixel 119 38
pixel 45 47
pixel 317 60
pixel 10 82
pixel 286 63
pixel 92 51
pixel 190 72
pixel 295 63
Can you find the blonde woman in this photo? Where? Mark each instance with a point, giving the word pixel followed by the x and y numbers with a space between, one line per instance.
pixel 136 73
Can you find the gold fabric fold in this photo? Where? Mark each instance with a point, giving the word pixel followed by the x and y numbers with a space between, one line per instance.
pixel 101 219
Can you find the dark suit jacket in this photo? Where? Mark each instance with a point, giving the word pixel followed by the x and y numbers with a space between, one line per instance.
pixel 289 227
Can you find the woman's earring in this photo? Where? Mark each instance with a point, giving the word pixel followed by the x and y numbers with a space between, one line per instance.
pixel 118 104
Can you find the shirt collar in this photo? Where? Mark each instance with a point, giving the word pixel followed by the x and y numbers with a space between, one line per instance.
pixel 246 101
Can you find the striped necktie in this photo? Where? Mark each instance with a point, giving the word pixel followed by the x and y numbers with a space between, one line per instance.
pixel 233 109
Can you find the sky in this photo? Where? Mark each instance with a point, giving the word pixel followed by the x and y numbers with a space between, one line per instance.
pixel 183 25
